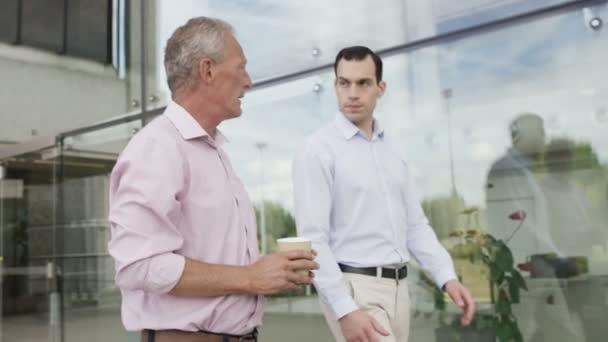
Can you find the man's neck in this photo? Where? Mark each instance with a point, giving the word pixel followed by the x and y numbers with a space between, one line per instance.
pixel 367 127
pixel 203 114
pixel 211 129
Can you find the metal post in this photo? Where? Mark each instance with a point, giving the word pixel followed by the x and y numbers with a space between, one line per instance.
pixel 261 146
pixel 54 303
pixel 447 94
pixel 2 171
pixel 144 60
pixel 57 312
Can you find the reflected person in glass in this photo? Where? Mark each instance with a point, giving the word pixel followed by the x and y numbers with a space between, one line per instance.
pixel 183 230
pixel 514 185
pixel 570 220
pixel 355 199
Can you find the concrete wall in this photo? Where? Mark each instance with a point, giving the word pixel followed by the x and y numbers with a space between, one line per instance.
pixel 43 93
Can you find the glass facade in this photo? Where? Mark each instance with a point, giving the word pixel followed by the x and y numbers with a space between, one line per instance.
pixel 499 106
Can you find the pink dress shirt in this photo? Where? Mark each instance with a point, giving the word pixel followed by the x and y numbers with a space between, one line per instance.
pixel 174 194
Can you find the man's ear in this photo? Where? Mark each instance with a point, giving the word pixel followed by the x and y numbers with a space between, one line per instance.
pixel 382 88
pixel 205 70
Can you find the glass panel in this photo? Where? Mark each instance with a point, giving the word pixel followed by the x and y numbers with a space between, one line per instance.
pixel 315 23
pixel 449 16
pixel 322 28
pixel 300 107
pixel 509 140
pixel 89 294
pixel 456 111
pixel 30 281
pixel 262 153
pixel 57 277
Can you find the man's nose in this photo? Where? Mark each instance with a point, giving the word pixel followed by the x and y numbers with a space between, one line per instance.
pixel 248 82
pixel 353 92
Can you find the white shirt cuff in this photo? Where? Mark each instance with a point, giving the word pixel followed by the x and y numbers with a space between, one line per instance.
pixel 443 277
pixel 342 307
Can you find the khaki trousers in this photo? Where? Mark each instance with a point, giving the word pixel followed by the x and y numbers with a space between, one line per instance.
pixel 384 299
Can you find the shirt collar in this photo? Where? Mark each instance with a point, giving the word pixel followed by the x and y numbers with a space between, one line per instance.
pixel 349 130
pixel 188 127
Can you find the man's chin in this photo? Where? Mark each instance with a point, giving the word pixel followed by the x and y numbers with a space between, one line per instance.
pixel 233 114
pixel 236 113
pixel 353 115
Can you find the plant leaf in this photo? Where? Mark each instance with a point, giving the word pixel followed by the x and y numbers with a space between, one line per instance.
pixel 439 299
pixel 503 306
pixel 513 290
pixel 519 280
pixel 504 258
pixel 498 276
pixel 504 333
pixel 517 336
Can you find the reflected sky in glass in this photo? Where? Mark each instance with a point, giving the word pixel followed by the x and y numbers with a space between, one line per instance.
pixel 551 67
pixel 280 36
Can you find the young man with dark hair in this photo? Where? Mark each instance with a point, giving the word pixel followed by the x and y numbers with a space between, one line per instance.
pixel 355 199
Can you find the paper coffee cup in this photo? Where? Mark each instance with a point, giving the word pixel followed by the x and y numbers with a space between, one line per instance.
pixel 292 244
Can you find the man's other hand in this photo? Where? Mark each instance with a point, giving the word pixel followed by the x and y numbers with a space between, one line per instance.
pixel 462 297
pixel 359 326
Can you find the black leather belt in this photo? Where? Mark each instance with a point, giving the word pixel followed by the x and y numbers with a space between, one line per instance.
pixel 387 272
pixel 252 336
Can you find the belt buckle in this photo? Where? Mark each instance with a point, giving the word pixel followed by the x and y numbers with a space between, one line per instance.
pixel 397 275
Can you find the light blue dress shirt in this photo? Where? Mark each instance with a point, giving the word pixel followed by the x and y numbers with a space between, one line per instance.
pixel 355 199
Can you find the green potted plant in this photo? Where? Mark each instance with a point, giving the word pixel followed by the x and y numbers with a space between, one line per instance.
pixel 505 283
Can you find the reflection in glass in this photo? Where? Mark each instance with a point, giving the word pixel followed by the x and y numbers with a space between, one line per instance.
pixel 549 206
pixel 89 293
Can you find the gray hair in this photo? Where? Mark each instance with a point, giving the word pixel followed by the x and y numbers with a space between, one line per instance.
pixel 199 37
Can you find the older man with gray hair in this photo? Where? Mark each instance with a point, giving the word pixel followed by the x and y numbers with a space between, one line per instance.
pixel 183 228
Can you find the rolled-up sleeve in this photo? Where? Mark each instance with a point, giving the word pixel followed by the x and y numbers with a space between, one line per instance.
pixel 422 241
pixel 312 179
pixel 145 190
